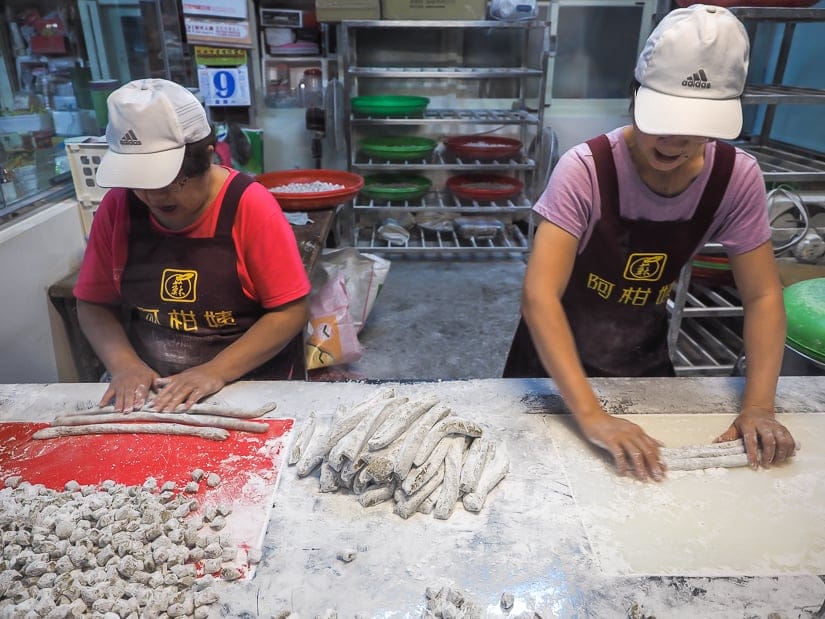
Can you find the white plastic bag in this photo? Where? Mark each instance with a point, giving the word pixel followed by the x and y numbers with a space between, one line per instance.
pixel 331 337
pixel 363 274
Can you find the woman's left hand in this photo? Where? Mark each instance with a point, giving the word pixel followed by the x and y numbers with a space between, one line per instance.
pixel 181 391
pixel 766 440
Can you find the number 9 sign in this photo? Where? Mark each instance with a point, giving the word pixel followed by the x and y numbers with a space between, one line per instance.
pixel 224 86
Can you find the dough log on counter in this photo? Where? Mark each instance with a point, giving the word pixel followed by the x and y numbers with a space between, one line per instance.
pixel 209 422
pixel 729 454
pixel 202 409
pixel 205 421
pixel 213 434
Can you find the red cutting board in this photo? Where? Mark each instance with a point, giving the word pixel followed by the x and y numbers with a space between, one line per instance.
pixel 247 463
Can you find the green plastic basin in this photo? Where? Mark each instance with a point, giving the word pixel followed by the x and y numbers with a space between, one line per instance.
pixel 389 105
pixel 805 308
pixel 395 186
pixel 397 147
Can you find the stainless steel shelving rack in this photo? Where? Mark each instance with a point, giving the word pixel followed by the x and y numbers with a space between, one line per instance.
pixel 522 116
pixel 705 328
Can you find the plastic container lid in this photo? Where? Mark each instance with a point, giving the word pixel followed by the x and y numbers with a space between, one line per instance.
pixel 805 309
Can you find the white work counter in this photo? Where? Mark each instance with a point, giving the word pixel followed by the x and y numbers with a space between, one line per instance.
pixel 562 532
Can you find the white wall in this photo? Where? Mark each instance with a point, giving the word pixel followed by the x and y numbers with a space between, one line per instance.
pixel 36 252
pixel 578 122
pixel 288 144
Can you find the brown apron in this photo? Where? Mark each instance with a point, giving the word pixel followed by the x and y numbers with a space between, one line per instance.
pixel 183 300
pixel 616 299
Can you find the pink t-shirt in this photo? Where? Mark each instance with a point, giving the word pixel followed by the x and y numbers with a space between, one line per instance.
pixel 269 263
pixel 571 199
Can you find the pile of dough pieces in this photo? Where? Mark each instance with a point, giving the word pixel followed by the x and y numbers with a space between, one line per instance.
pixel 109 551
pixel 453 603
pixel 414 451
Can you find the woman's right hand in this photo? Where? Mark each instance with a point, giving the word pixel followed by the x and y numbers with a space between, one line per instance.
pixel 632 449
pixel 129 388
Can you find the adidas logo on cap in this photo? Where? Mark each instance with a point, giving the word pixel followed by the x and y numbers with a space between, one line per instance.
pixel 130 139
pixel 697 80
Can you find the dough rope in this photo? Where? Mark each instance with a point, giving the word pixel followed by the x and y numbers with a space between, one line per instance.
pixel 195 410
pixel 396 425
pixel 707 462
pixel 202 420
pixel 493 473
pixel 704 451
pixel 450 425
pixel 302 438
pixel 729 454
pixel 478 454
pixel 213 434
pixel 416 434
pixel 450 492
pixel 350 445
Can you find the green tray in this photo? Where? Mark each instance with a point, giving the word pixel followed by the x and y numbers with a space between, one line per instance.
pixel 389 105
pixel 395 186
pixel 397 147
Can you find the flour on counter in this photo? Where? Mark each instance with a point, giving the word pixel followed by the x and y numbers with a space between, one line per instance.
pixel 703 522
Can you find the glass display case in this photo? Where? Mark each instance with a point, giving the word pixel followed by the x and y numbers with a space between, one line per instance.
pixel 59 59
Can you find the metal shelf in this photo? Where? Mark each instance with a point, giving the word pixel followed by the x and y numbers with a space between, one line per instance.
pixel 475 73
pixel 786 164
pixel 707 347
pixel 440 161
pixel 511 239
pixel 709 337
pixel 703 301
pixel 407 24
pixel 496 117
pixel 778 14
pixel 360 46
pixel 705 335
pixel 445 202
pixel 705 326
pixel 770 94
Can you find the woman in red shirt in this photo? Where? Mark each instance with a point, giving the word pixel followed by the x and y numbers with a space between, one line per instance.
pixel 192 278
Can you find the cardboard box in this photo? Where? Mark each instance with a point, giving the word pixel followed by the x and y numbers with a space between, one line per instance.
pixel 434 9
pixel 338 10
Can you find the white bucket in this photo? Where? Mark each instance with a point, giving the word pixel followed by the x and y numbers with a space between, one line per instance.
pixel 25 179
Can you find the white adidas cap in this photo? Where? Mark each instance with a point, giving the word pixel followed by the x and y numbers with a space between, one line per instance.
pixel 150 123
pixel 692 72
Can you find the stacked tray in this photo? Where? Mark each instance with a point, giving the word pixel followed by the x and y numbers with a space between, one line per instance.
pixel 389 105
pixel 397 147
pixel 392 187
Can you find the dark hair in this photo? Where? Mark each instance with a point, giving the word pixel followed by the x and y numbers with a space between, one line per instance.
pixel 198 157
pixel 631 92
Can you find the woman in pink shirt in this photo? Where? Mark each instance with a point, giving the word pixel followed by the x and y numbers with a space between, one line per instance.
pixel 620 217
